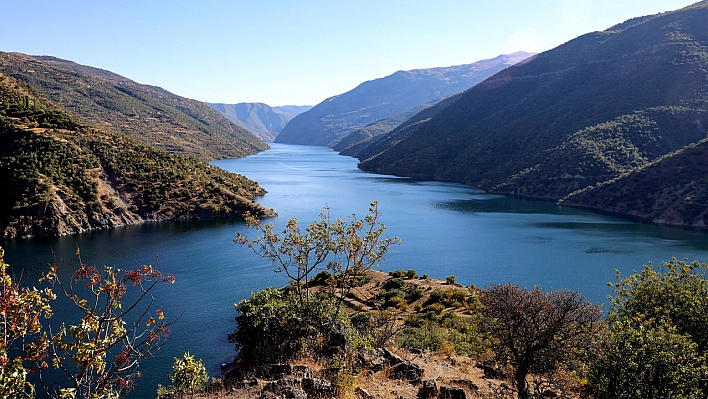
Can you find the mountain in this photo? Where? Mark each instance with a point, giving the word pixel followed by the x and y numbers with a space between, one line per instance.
pixel 586 112
pixel 336 117
pixel 61 176
pixel 292 111
pixel 147 113
pixel 258 118
pixel 360 137
pixel 672 190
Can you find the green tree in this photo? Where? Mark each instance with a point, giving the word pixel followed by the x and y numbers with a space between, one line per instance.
pixel 188 376
pixel 295 318
pixel 658 323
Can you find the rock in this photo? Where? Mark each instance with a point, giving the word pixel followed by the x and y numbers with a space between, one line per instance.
pixel 284 389
pixel 302 371
pixel 429 390
pixel 491 372
pixel 407 370
pixel 336 340
pixel 471 386
pixel 373 360
pixel 316 388
pixel 447 392
pixel 361 393
pixel 272 372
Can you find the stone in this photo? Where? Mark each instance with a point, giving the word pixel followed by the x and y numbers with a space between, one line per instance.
pixel 273 372
pixel 447 392
pixel 361 393
pixel 283 389
pixel 316 388
pixel 429 390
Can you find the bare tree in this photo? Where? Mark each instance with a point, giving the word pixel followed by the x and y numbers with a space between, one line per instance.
pixel 539 333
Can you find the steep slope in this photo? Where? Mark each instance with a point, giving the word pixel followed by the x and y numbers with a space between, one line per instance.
pixel 672 190
pixel 62 176
pixel 292 111
pixel 580 114
pixel 147 113
pixel 367 133
pixel 336 117
pixel 258 118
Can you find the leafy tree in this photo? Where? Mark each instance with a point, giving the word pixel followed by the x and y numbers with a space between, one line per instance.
pixel 539 333
pixel 101 352
pixel 658 323
pixel 21 312
pixel 189 375
pixel 295 318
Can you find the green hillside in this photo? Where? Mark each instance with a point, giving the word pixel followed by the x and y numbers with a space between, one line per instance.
pixel 672 190
pixel 580 114
pixel 146 113
pixel 62 176
pixel 358 138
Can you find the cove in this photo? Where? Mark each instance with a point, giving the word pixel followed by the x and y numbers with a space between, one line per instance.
pixel 445 229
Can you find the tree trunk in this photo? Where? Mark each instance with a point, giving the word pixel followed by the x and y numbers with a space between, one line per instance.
pixel 522 387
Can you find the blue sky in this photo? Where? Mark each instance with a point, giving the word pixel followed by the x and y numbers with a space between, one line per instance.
pixel 295 52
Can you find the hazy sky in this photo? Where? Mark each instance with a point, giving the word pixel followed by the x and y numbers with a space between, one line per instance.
pixel 295 52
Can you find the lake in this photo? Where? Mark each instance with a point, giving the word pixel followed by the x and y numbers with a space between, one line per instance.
pixel 446 229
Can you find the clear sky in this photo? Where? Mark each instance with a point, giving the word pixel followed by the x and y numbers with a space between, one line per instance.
pixel 295 52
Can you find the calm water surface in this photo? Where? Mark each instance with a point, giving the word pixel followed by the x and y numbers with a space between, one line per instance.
pixel 446 229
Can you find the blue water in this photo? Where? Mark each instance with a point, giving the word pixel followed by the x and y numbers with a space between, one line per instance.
pixel 445 229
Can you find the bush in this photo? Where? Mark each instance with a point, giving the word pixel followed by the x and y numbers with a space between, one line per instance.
pixel 411 273
pixel 416 294
pixel 451 279
pixel 658 323
pixel 394 283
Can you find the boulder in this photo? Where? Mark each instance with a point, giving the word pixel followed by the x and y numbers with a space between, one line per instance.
pixel 429 390
pixel 283 389
pixel 447 392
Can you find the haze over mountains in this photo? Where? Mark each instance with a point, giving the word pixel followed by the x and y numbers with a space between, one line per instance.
pixel 260 119
pixel 336 117
pixel 595 109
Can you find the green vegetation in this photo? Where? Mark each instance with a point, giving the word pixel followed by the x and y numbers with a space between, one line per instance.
pixel 188 376
pixel 582 114
pixel 62 176
pixel 672 190
pixel 658 345
pixel 544 343
pixel 146 113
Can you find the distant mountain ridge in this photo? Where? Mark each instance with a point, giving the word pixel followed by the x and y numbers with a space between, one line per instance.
pixel 336 117
pixel 264 121
pixel 589 111
pixel 147 113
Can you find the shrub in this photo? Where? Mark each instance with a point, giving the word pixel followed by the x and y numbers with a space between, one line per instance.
pixel 394 283
pixel 416 294
pixel 451 280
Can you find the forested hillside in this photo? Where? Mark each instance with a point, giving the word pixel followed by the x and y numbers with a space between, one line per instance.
pixel 61 175
pixel 146 113
pixel 336 117
pixel 583 113
pixel 672 190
